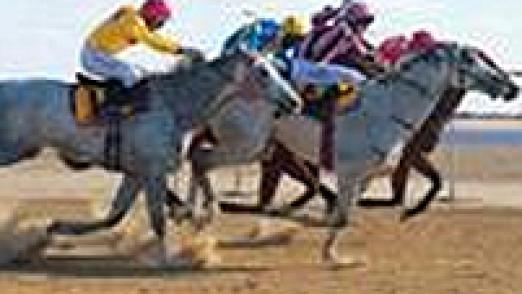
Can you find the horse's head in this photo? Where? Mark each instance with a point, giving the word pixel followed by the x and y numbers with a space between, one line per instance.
pixel 477 71
pixel 256 71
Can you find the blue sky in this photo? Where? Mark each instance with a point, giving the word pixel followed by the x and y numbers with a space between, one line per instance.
pixel 42 37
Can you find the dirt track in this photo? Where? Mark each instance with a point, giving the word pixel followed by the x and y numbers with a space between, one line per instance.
pixel 448 250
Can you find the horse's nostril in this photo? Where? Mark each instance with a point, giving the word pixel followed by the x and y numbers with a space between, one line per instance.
pixel 513 93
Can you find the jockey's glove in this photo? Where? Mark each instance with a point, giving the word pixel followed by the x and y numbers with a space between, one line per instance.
pixel 191 53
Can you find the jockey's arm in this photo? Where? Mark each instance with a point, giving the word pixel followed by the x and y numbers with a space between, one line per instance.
pixel 322 17
pixel 156 41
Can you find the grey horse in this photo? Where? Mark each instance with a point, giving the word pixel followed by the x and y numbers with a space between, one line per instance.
pixel 36 113
pixel 392 107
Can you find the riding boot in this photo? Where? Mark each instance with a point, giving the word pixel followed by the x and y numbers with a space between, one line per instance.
pixel 115 97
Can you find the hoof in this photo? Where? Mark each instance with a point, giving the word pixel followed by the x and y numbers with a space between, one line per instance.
pixel 180 214
pixel 261 236
pixel 23 245
pixel 150 253
pixel 197 252
pixel 407 215
pixel 346 262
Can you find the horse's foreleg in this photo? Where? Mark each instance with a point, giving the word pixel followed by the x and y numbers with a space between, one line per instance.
pixel 209 204
pixel 271 175
pixel 426 168
pixel 203 161
pixel 154 251
pixel 125 197
pixel 155 195
pixel 399 179
pixel 338 220
pixel 173 201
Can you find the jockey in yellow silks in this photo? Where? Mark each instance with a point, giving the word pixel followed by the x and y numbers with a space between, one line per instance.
pixel 125 28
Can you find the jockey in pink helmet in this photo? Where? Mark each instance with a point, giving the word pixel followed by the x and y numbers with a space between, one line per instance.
pixel 422 40
pixel 336 39
pixel 391 49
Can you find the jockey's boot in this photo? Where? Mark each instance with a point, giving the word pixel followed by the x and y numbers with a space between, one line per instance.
pixel 116 95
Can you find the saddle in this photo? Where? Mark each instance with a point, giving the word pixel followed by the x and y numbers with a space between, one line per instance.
pixel 100 102
pixel 323 101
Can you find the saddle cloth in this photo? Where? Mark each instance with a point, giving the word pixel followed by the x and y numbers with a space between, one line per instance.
pixel 100 102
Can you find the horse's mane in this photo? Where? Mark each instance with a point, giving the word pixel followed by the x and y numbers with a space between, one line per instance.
pixel 411 58
pixel 193 78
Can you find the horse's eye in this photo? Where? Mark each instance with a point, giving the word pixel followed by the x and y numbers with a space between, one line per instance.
pixel 467 57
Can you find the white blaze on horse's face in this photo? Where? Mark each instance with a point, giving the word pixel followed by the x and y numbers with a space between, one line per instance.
pixel 476 71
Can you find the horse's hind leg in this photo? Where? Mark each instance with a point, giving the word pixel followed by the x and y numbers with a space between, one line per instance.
pixel 270 179
pixel 338 220
pixel 283 161
pixel 307 175
pixel 125 197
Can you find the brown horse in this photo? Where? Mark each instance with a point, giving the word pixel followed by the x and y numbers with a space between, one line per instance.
pixel 414 156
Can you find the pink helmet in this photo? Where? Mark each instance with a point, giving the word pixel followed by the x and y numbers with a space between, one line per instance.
pixel 422 40
pixel 391 49
pixel 155 10
pixel 356 13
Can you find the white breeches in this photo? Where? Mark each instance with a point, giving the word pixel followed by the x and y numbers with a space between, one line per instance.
pixel 108 66
pixel 309 72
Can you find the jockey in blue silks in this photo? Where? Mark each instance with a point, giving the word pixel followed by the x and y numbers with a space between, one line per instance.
pixel 266 36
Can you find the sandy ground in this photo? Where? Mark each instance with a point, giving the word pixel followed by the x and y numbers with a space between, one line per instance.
pixel 468 246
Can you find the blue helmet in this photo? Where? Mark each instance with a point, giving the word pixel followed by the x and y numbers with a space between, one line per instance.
pixel 267 29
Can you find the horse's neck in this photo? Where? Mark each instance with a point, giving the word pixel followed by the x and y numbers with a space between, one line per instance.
pixel 189 92
pixel 409 95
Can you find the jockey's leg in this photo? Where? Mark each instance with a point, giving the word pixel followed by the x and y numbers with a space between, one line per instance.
pixel 108 66
pixel 121 74
pixel 304 71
